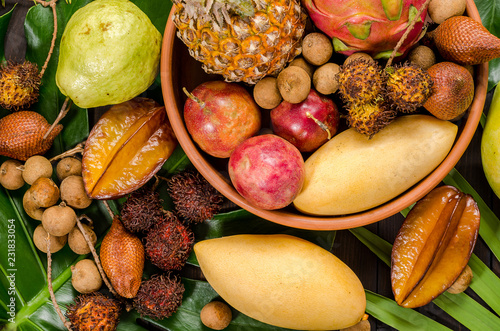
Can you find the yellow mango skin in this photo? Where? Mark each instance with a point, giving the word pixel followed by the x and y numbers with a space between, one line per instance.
pixel 352 173
pixel 283 280
pixel 490 144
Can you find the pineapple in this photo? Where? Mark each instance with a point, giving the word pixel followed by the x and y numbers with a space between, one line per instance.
pixel 242 40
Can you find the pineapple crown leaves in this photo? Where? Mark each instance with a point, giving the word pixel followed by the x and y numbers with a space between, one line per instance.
pixel 243 8
pixel 219 11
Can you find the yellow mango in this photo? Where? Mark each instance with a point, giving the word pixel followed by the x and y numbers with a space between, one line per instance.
pixel 353 173
pixel 283 280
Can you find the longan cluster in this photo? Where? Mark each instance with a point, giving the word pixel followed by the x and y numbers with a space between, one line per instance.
pixel 372 96
pixel 312 70
pixel 54 205
pixel 40 201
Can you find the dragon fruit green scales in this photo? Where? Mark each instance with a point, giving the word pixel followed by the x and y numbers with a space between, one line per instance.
pixel 370 26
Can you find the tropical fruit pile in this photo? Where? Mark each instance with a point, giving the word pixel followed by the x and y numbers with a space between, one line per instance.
pixel 359 69
pixel 309 105
pixel 143 232
pixel 369 107
pixel 125 149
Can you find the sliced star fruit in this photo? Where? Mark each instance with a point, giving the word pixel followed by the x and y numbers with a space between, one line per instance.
pixel 433 246
pixel 126 147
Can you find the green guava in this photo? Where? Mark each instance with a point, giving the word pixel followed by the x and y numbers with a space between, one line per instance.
pixel 109 53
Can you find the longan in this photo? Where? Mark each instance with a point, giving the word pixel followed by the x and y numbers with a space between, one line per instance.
pixel 77 242
pixel 462 282
pixel 85 276
pixel 294 84
pixel 300 62
pixel 440 10
pixel 30 207
pixel 40 240
pixel 11 176
pixel 59 220
pixel 422 56
pixel 44 192
pixel 317 48
pixel 216 315
pixel 73 192
pixel 325 80
pixel 35 167
pixel 68 166
pixel 363 325
pixel 266 93
pixel 357 55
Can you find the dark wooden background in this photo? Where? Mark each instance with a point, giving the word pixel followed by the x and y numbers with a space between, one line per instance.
pixel 374 274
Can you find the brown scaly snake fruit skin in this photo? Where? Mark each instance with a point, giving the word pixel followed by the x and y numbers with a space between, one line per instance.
pixel 122 258
pixel 463 40
pixel 21 135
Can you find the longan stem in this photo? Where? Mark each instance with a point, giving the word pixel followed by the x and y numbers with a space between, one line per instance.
pixel 163 178
pixel 94 253
pixel 77 149
pixel 64 110
pixel 158 178
pixel 52 5
pixel 156 183
pixel 407 32
pixel 66 323
pixel 108 209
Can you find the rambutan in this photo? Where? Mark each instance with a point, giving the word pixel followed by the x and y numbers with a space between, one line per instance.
pixel 142 209
pixel 408 87
pixel 94 311
pixel 194 198
pixel 19 85
pixel 159 297
pixel 360 81
pixel 370 118
pixel 169 243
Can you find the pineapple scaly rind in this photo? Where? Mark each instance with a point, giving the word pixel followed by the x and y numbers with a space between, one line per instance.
pixel 241 48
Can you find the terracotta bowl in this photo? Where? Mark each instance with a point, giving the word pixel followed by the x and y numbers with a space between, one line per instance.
pixel 179 70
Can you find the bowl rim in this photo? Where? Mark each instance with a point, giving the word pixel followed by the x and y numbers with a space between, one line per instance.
pixel 311 222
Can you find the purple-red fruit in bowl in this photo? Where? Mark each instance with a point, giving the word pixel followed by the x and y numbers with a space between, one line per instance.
pixel 267 171
pixel 220 115
pixel 308 124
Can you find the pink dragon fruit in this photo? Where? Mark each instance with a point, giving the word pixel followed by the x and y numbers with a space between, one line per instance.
pixel 373 27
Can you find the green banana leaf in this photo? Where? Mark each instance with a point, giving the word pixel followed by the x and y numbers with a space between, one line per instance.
pixel 488 10
pixel 4 24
